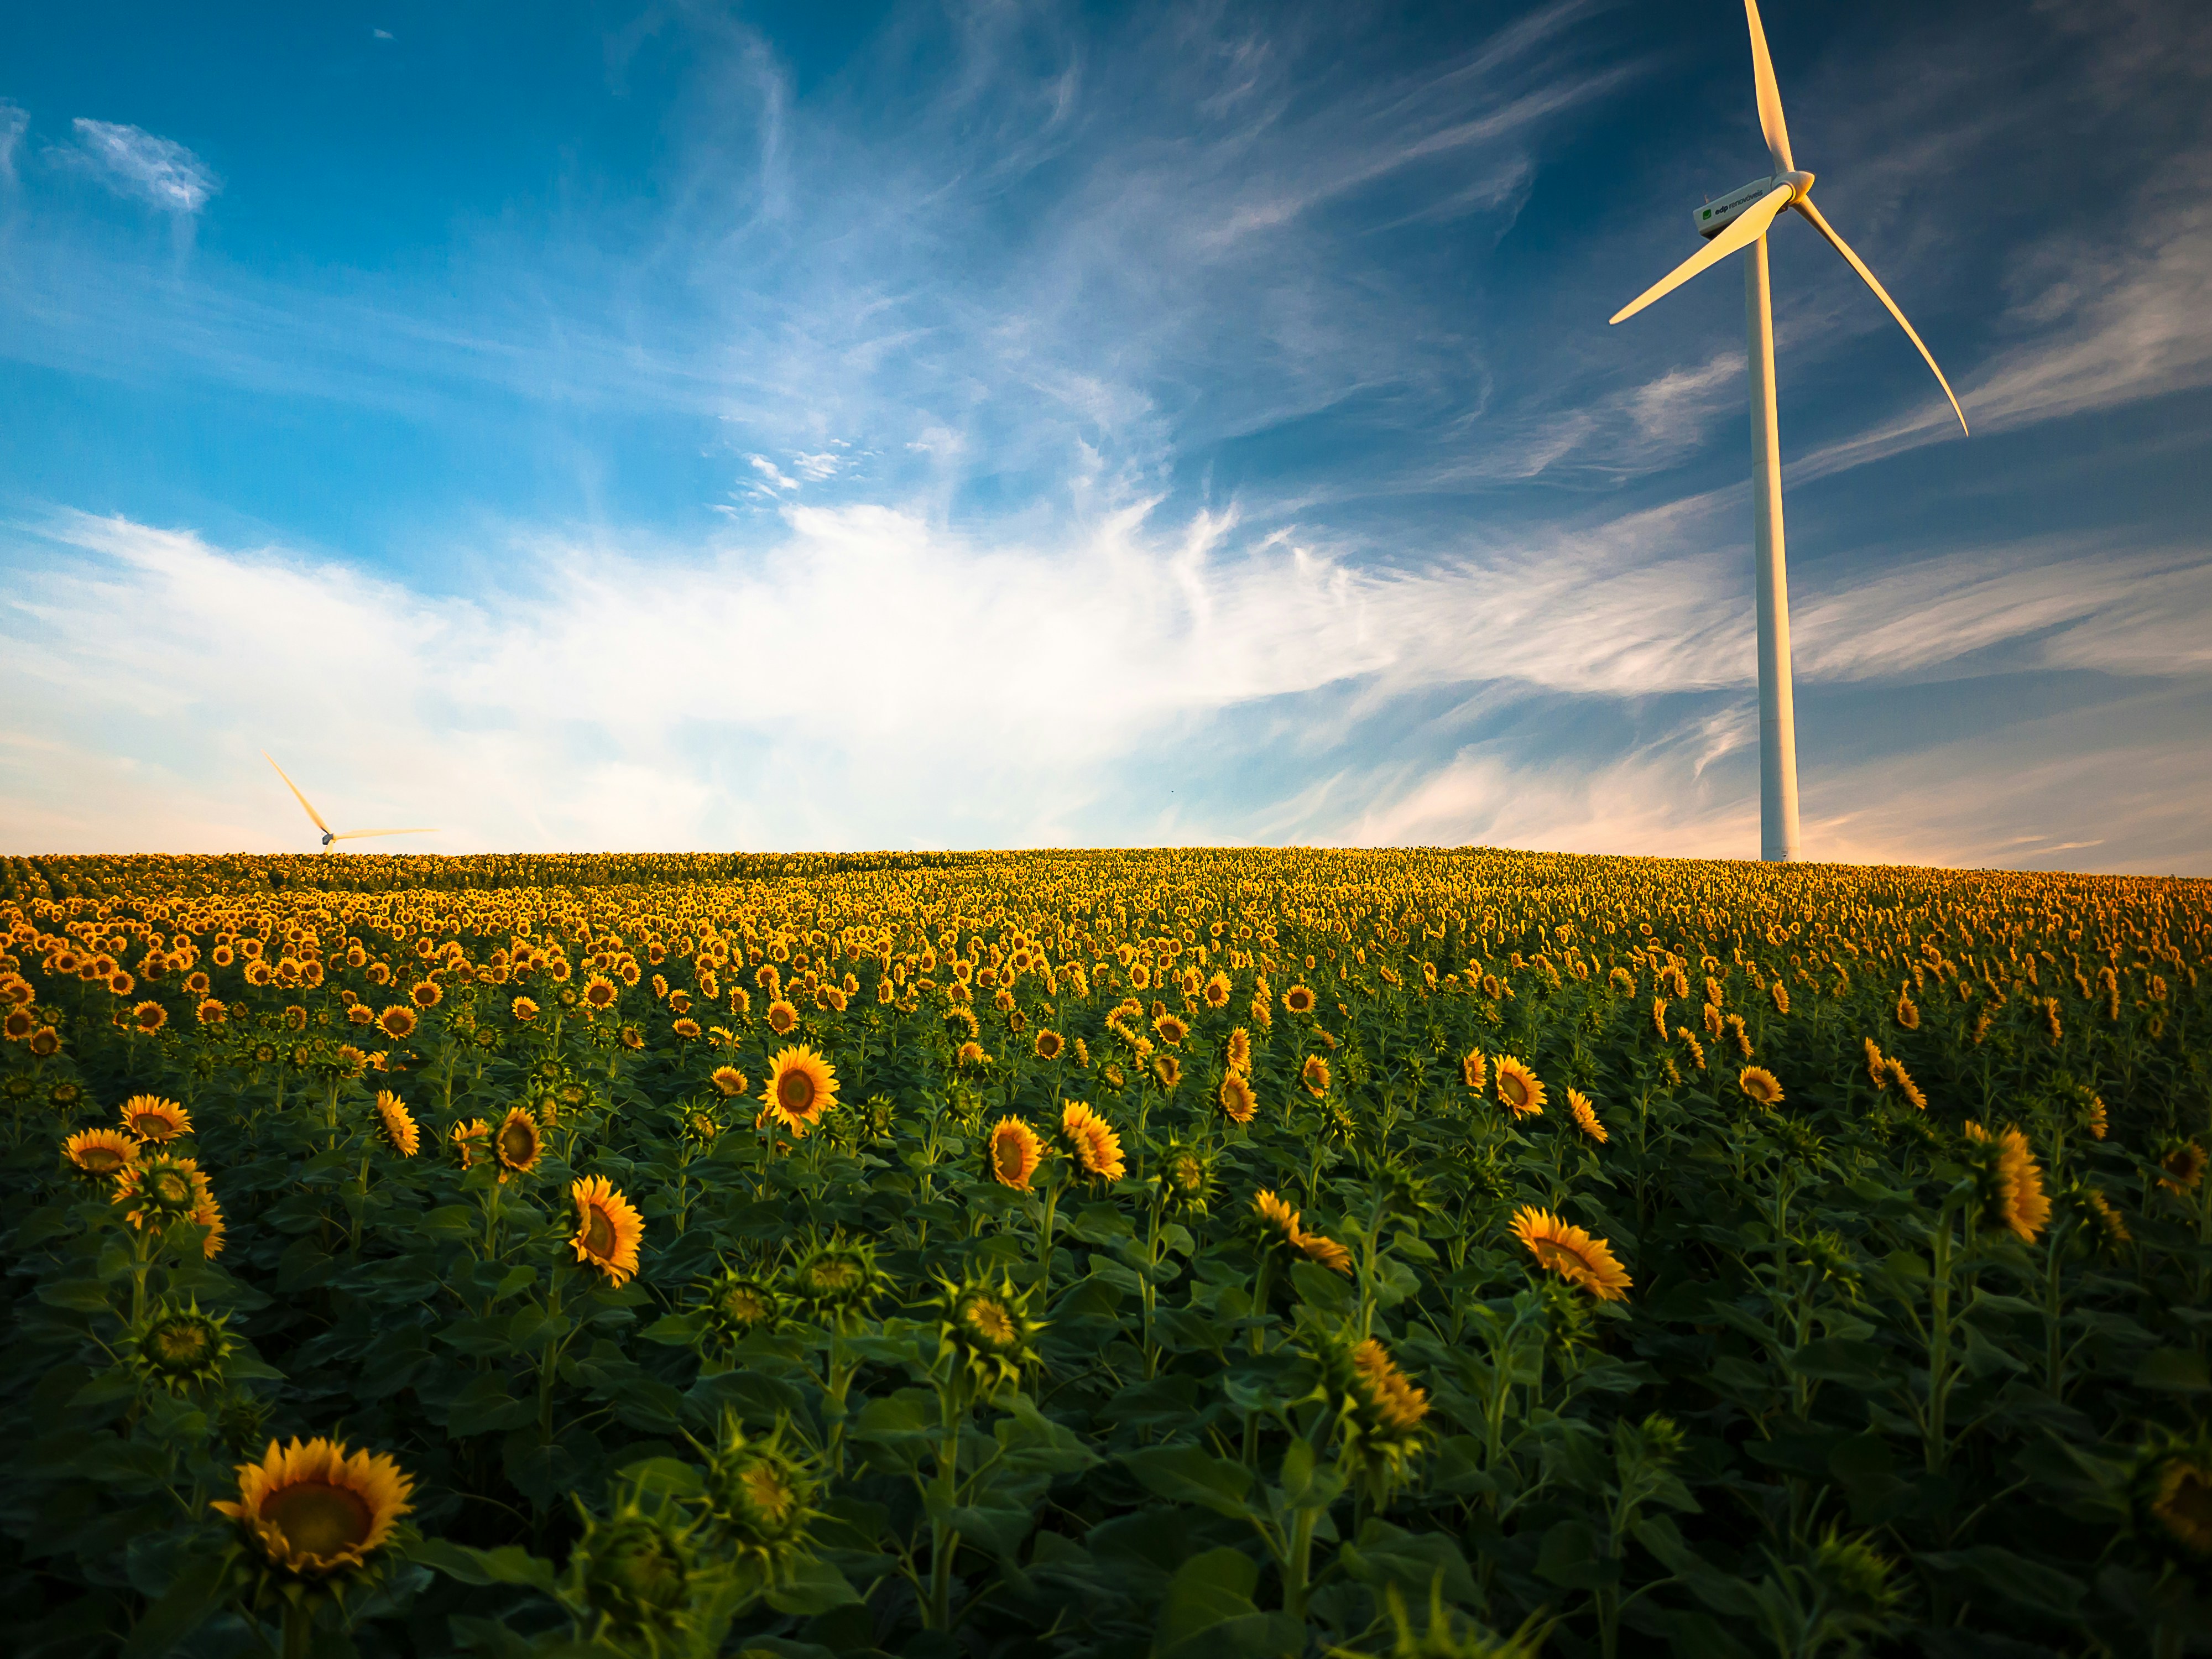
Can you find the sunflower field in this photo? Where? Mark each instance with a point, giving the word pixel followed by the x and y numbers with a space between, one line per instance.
pixel 1207 1254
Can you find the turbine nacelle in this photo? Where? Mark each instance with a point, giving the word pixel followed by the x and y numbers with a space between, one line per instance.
pixel 1713 217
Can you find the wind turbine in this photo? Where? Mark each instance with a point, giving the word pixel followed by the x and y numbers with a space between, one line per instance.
pixel 329 834
pixel 1740 220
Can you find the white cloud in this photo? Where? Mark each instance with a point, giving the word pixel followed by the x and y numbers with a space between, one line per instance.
pixel 156 170
pixel 15 122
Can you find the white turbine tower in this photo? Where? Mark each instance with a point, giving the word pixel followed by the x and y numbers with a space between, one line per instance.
pixel 1740 220
pixel 329 834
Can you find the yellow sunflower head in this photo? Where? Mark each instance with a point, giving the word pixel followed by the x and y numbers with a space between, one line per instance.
pixel 1519 1088
pixel 518 1142
pixel 1048 1044
pixel 1298 1000
pixel 1760 1085
pixel 600 994
pixel 1585 1116
pixel 801 1086
pixel 1091 1142
pixel 1315 1075
pixel 782 1018
pixel 2009 1179
pixel 1238 1102
pixel 1167 1070
pixel 149 1017
pixel 426 993
pixel 99 1154
pixel 1474 1070
pixel 151 1118
pixel 609 1229
pixel 397 1022
pixel 1240 1050
pixel 1016 1151
pixel 985 1327
pixel 1571 1253
pixel 397 1124
pixel 729 1082
pixel 1172 1030
pixel 312 1510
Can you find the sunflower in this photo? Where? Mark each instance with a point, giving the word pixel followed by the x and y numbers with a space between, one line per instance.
pixel 1171 1031
pixel 1388 1409
pixel 969 1055
pixel 1315 1075
pixel 839 1279
pixel 2095 1120
pixel 1091 1142
pixel 1585 1115
pixel 1167 1070
pixel 1571 1253
pixel 1907 1015
pixel 1048 1044
pixel 729 1082
pixel 19 1024
pixel 2182 1167
pixel 631 1038
pixel 1275 1215
pixel 1280 1222
pixel 1298 1000
pixel 608 1228
pixel 149 1017
pixel 801 1085
pixel 738 1304
pixel 150 1117
pixel 2012 1180
pixel 687 1030
pixel 518 1143
pixel 525 1009
pixel 313 1510
pixel 1761 1084
pixel 1218 990
pixel 397 1124
pixel 1895 1072
pixel 100 1153
pixel 1518 1088
pixel 1236 1098
pixel 1659 1017
pixel 599 993
pixel 426 993
pixel 988 1328
pixel 158 1190
pixel 397 1022
pixel 782 1018
pixel 1326 1251
pixel 1474 1070
pixel 2181 1500
pixel 469 1139
pixel 1240 1051
pixel 178 1349
pixel 1016 1151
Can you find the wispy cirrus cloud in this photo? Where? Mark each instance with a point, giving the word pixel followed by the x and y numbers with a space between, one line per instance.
pixel 133 163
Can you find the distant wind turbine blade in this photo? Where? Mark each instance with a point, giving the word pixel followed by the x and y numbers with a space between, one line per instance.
pixel 1747 229
pixel 355 835
pixel 1858 264
pixel 1770 95
pixel 296 795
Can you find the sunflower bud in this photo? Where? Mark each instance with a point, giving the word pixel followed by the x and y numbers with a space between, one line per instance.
pixel 635 1569
pixel 987 1330
pixel 177 1349
pixel 759 1497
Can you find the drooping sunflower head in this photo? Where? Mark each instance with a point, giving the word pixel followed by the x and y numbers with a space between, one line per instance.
pixel 1171 1029
pixel 1238 1104
pixel 1016 1151
pixel 151 1118
pixel 1167 1070
pixel 2173 1495
pixel 1518 1088
pixel 313 1510
pixel 2097 1225
pixel 1571 1253
pixel 1759 1084
pixel 1474 1070
pixel 1585 1116
pixel 158 1190
pixel 1278 1222
pixel 1877 1064
pixel 470 1137
pixel 177 1349
pixel 801 1086
pixel 396 1124
pixel 1239 1054
pixel 1091 1141
pixel 518 1143
pixel 609 1229
pixel 1315 1075
pixel 729 1082
pixel 2010 1181
pixel 99 1154
pixel 2181 1166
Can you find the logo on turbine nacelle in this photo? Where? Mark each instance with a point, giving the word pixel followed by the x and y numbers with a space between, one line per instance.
pixel 1715 217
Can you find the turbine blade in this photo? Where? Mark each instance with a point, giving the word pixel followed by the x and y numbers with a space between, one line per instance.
pixel 1747 229
pixel 355 835
pixel 1770 95
pixel 296 795
pixel 1858 264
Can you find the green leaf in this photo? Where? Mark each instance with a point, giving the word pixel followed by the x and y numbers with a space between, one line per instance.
pixel 192 1594
pixel 676 1330
pixel 2012 1580
pixel 487 1405
pixel 1860 1366
pixel 1321 1287
pixel 1208 1591
pixel 1186 1474
pixel 1571 1559
pixel 509 1564
pixel 813 1587
pixel 2172 1370
pixel 78 1295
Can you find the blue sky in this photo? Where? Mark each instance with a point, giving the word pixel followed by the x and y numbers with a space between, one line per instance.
pixel 679 426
